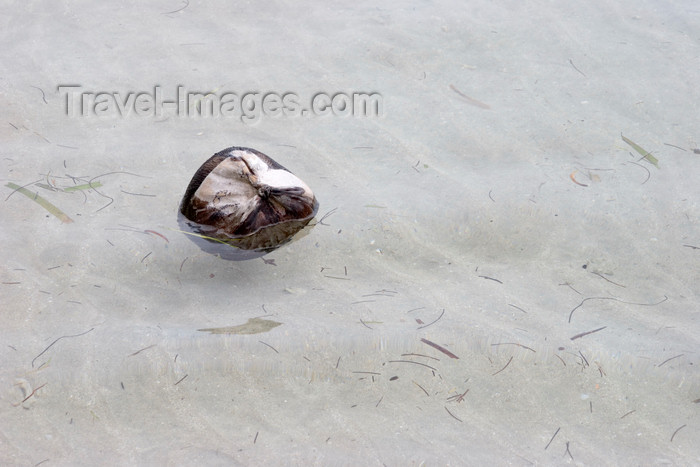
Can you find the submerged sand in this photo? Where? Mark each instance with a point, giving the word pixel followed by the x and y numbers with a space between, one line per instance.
pixel 500 279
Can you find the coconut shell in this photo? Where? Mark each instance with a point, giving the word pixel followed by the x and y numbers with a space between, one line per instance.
pixel 243 199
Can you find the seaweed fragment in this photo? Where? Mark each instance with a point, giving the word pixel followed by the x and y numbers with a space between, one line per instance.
pixel 645 154
pixel 43 202
pixel 253 326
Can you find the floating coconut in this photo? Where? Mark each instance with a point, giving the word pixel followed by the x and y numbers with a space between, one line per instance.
pixel 241 204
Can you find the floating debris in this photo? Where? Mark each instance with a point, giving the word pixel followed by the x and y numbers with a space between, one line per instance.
pixel 253 326
pixel 44 203
pixel 645 154
pixel 242 198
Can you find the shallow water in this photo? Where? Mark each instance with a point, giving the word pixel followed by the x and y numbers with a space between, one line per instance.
pixel 492 210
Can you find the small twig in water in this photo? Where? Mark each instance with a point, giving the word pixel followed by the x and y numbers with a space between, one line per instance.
pixel 577 336
pixel 571 176
pixel 669 359
pixel 415 363
pixel 571 287
pixel 186 2
pixel 615 300
pixel 452 415
pixel 568 452
pixel 674 146
pixel 440 348
pixel 438 319
pixel 62 337
pixel 43 94
pixel 640 165
pixel 491 279
pixel 470 100
pixel 426 392
pixel 328 214
pixel 336 277
pixel 37 388
pixel 419 355
pixel 458 397
pixel 583 359
pixel 514 343
pixel 265 343
pixel 605 278
pixel 139 351
pixel 158 234
pixel 138 194
pixel 552 439
pixel 572 64
pixel 511 359
pixel 111 200
pixel 677 430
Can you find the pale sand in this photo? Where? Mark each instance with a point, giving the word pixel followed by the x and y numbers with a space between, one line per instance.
pixel 442 204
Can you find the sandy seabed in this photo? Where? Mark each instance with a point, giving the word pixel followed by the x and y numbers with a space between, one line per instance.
pixel 499 278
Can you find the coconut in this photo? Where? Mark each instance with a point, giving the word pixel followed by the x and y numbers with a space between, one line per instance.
pixel 242 204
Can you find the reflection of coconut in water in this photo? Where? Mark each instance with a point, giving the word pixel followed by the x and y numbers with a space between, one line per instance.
pixel 240 204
